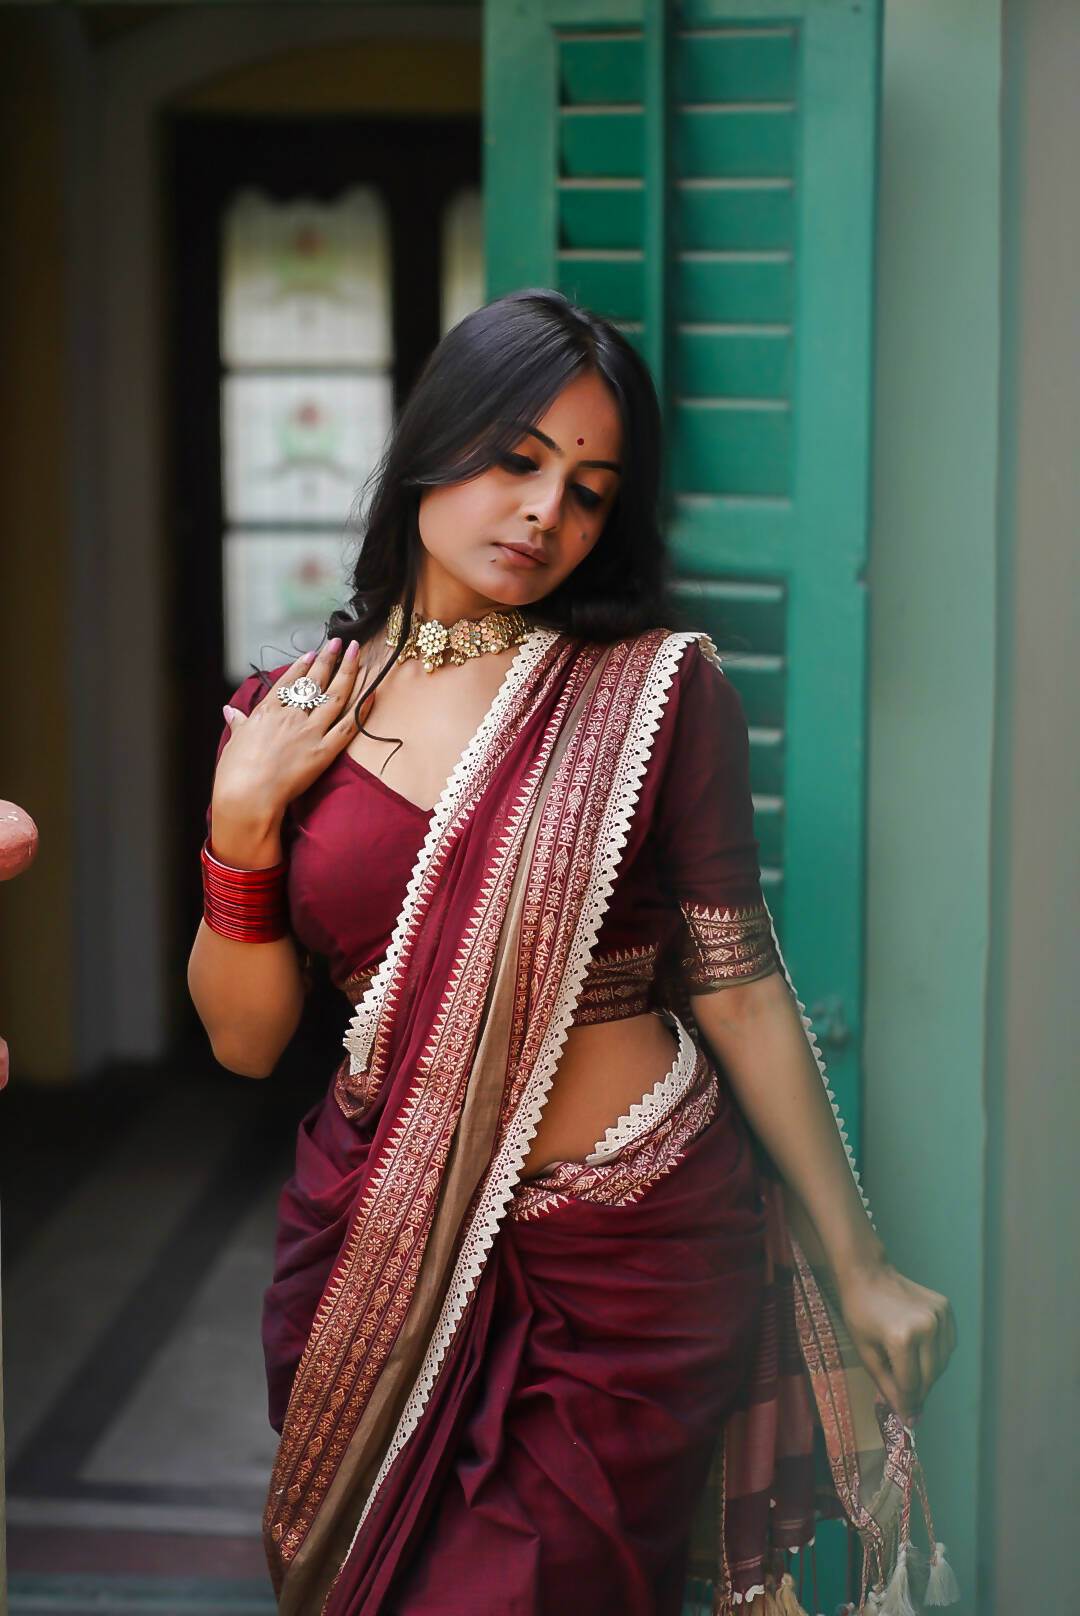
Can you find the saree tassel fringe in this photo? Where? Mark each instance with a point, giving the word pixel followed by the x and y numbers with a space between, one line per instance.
pixel 897 1600
pixel 787 1600
pixel 899 1578
pixel 942 1587
pixel 900 1597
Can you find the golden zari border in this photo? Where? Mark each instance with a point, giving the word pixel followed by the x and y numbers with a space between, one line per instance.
pixel 616 985
pixel 726 945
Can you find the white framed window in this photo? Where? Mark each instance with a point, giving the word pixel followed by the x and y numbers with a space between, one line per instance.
pixel 306 408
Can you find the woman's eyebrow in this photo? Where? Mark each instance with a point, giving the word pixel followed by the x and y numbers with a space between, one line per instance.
pixel 549 443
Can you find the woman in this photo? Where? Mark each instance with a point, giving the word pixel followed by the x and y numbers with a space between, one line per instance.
pixel 532 1279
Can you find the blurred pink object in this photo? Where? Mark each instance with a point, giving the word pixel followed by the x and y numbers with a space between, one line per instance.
pixel 18 844
pixel 18 840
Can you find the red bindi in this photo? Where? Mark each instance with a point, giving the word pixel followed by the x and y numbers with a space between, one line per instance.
pixel 580 441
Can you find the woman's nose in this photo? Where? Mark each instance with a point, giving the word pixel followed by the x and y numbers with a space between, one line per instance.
pixel 544 506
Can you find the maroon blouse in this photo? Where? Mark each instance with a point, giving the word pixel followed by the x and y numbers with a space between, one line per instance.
pixel 687 894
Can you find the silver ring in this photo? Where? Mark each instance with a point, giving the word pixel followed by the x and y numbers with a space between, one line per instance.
pixel 303 693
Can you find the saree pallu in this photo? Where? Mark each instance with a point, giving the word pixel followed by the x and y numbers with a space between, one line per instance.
pixel 490 1401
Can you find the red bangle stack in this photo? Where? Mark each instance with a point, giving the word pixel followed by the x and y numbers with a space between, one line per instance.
pixel 246 905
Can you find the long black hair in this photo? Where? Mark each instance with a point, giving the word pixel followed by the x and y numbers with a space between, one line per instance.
pixel 501 366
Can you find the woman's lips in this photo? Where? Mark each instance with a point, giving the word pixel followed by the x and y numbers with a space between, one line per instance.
pixel 519 558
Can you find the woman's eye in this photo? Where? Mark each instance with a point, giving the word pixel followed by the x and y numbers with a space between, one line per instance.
pixel 516 462
pixel 588 497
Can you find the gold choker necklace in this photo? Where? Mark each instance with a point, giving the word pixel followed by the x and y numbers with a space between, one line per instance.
pixel 431 641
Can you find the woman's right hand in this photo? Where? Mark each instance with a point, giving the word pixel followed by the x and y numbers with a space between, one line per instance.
pixel 276 751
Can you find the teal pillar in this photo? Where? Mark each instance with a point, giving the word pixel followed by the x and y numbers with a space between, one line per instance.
pixel 932 665
pixel 1030 1476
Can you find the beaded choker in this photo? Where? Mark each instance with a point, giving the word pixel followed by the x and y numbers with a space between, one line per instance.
pixel 433 642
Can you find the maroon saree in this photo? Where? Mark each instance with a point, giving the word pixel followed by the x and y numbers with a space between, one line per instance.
pixel 508 1396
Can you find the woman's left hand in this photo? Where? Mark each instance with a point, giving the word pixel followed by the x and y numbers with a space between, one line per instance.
pixel 904 1333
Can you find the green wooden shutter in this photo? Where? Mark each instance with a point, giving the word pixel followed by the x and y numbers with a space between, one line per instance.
pixel 702 172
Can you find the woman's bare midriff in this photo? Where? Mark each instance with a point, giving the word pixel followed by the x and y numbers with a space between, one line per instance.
pixel 604 1069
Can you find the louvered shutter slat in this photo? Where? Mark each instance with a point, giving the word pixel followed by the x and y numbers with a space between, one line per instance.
pixel 604 70
pixel 606 219
pixel 757 65
pixel 719 447
pixel 750 217
pixel 757 290
pixel 607 142
pixel 734 362
pixel 733 142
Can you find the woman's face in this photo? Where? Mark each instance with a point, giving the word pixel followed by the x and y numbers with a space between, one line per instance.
pixel 511 535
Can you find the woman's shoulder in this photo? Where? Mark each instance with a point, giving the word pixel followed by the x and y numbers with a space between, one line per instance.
pixel 700 697
pixel 689 656
pixel 697 652
pixel 688 644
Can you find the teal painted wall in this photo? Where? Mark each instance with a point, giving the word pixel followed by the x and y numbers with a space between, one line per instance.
pixel 932 626
pixel 1030 1474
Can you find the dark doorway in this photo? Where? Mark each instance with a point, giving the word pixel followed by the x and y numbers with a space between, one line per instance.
pixel 416 166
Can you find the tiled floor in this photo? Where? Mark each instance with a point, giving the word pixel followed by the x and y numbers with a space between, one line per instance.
pixel 138 1232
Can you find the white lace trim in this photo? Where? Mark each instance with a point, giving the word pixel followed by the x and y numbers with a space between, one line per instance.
pixel 360 1033
pixel 506 1169
pixel 661 1099
pixel 811 1038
